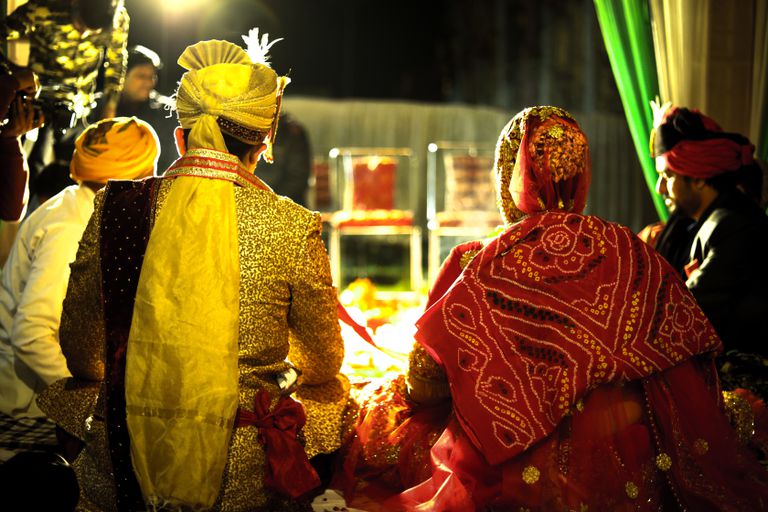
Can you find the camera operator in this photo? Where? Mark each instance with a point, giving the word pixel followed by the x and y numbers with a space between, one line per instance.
pixel 17 91
pixel 19 115
pixel 70 42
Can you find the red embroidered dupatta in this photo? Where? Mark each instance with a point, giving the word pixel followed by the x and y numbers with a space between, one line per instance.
pixel 553 307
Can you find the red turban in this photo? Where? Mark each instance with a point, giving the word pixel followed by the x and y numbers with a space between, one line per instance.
pixel 692 144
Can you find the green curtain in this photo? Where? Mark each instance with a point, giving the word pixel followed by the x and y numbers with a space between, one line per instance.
pixel 762 142
pixel 626 29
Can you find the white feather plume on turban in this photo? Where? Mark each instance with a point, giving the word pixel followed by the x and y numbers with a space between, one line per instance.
pixel 225 90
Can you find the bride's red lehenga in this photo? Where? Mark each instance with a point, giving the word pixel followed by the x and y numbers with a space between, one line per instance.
pixel 561 366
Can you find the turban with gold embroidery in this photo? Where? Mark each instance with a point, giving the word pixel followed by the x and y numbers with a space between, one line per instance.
pixel 228 90
pixel 180 405
pixel 122 148
pixel 542 164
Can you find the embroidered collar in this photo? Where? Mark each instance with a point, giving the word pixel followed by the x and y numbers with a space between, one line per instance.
pixel 212 164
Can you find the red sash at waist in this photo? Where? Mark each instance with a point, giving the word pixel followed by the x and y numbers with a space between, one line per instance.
pixel 288 468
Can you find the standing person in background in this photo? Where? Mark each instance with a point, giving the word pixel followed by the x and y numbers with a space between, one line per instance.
pixel 289 174
pixel 212 293
pixel 70 42
pixel 140 99
pixel 17 88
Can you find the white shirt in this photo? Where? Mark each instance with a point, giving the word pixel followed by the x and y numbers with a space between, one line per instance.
pixel 32 289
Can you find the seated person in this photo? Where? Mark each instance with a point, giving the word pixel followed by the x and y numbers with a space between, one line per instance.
pixel 706 172
pixel 561 365
pixel 34 278
pixel 181 374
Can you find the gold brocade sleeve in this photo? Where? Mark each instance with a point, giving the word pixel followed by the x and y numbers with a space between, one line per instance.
pixel 316 345
pixel 427 382
pixel 69 402
pixel 83 342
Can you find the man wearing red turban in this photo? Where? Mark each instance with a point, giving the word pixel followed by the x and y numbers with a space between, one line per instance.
pixel 702 170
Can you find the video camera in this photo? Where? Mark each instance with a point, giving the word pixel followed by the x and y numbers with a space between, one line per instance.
pixel 60 114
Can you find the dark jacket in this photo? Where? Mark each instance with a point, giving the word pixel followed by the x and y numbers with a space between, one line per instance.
pixel 289 174
pixel 730 282
pixel 674 242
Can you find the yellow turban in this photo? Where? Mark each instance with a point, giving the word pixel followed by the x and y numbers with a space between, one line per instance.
pixel 180 415
pixel 229 90
pixel 121 148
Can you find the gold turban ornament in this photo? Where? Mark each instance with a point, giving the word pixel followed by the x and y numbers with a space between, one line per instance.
pixel 122 148
pixel 230 90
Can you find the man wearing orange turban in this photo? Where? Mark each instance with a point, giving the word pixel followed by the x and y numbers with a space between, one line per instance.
pixel 702 174
pixel 35 276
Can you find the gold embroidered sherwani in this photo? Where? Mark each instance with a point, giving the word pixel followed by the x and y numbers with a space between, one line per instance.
pixel 287 311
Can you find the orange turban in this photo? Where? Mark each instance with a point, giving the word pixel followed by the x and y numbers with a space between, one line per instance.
pixel 119 148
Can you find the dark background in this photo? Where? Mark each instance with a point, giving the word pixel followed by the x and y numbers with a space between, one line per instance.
pixel 503 53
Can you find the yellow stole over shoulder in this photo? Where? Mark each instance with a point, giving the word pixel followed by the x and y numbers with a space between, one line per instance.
pixel 181 377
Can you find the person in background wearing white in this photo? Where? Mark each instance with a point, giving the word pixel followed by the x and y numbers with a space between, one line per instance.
pixel 35 276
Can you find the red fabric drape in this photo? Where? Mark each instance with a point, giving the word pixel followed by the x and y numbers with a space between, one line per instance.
pixel 549 177
pixel 602 455
pixel 555 306
pixel 660 443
